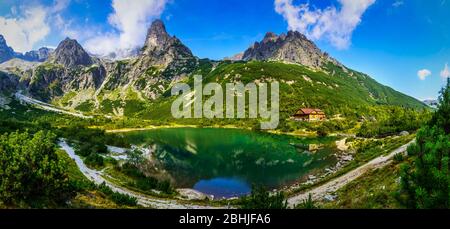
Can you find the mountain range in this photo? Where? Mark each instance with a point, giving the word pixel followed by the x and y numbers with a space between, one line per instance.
pixel 71 78
pixel 431 102
pixel 7 53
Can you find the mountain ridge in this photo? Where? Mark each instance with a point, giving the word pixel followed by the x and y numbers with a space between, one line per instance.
pixel 73 79
pixel 39 55
pixel 7 53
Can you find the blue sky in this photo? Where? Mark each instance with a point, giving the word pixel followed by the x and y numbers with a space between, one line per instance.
pixel 391 40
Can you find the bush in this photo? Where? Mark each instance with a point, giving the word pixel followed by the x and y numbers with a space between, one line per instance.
pixel 399 157
pixel 261 199
pixel 84 149
pixel 122 199
pixel 87 148
pixel 166 187
pixel 30 168
pixel 393 121
pixel 322 131
pixel 111 161
pixel 80 185
pixel 94 160
pixel 118 198
pixel 146 184
pixel 307 204
pixel 131 170
pixel 143 182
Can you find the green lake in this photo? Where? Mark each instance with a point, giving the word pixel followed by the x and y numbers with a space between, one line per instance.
pixel 226 162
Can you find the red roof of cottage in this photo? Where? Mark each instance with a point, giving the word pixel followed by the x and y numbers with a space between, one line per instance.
pixel 308 111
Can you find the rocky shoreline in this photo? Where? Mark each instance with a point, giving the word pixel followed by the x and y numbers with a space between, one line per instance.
pixel 344 157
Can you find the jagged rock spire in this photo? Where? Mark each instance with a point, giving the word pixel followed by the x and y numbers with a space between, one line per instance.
pixel 71 54
pixel 161 48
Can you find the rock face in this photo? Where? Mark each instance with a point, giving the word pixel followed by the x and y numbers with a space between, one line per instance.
pixel 162 49
pixel 70 54
pixel 8 83
pixel 40 55
pixel 162 60
pixel 6 52
pixel 292 48
pixel 48 81
pixel 236 57
pixel 70 68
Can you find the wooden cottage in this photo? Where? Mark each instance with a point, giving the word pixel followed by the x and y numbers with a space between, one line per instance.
pixel 309 115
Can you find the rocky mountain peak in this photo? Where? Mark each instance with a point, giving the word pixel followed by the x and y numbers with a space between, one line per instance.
pixel 39 55
pixel 161 48
pixel 70 54
pixel 157 35
pixel 270 37
pixel 158 28
pixel 292 48
pixel 236 57
pixel 6 52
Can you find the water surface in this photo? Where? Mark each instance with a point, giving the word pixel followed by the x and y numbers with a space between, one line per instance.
pixel 226 162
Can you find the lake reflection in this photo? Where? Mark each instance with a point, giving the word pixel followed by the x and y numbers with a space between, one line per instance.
pixel 223 187
pixel 226 162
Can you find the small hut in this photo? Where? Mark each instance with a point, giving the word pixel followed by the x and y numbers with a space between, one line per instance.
pixel 309 115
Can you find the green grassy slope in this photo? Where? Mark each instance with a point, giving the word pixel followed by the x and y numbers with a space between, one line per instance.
pixel 334 90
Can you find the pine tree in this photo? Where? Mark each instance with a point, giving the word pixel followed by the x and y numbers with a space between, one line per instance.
pixel 428 185
pixel 442 116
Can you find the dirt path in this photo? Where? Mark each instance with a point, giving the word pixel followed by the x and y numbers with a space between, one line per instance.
pixel 143 200
pixel 47 107
pixel 332 186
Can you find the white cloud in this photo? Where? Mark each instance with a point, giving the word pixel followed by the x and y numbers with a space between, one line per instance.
pixel 131 20
pixel 29 25
pixel 423 74
pixel 22 32
pixel 445 73
pixel 59 5
pixel 333 24
pixel 13 10
pixel 69 27
pixel 398 3
pixel 72 29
